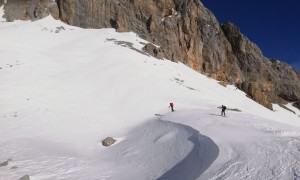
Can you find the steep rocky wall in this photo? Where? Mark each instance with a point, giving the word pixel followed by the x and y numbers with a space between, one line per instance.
pixel 29 9
pixel 266 80
pixel 185 31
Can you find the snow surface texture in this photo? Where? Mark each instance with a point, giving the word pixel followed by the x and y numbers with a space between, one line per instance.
pixel 64 89
pixel 2 14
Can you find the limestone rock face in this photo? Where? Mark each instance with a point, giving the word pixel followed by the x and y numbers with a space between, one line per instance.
pixel 179 30
pixel 265 80
pixel 187 32
pixel 183 29
pixel 29 9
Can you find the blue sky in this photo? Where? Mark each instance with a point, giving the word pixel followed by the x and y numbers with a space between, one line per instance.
pixel 273 25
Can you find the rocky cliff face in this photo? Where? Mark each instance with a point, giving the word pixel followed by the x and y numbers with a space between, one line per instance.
pixel 185 31
pixel 29 9
pixel 265 80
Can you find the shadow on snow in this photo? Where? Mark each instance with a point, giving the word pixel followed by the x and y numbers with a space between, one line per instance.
pixel 203 154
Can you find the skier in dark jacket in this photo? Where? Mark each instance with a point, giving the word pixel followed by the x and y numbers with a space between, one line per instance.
pixel 171 106
pixel 223 111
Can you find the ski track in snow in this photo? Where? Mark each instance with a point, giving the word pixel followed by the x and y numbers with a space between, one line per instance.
pixel 61 94
pixel 244 149
pixel 248 149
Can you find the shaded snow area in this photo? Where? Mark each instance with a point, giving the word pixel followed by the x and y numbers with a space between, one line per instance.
pixel 64 89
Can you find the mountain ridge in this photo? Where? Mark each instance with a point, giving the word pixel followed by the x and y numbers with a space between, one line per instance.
pixel 183 30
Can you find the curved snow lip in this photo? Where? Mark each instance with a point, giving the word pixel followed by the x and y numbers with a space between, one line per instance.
pixel 203 154
pixel 160 149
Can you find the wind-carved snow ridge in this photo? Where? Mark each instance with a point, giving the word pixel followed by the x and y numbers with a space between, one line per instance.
pixel 200 158
pixel 249 148
pixel 164 143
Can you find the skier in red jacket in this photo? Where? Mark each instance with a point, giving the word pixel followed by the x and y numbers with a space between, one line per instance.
pixel 171 106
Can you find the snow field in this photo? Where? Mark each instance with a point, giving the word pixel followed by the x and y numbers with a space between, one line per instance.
pixel 62 92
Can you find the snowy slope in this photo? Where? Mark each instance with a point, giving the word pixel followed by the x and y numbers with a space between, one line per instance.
pixel 64 89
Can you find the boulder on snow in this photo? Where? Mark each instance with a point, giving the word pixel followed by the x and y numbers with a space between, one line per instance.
pixel 5 163
pixel 153 51
pixel 108 141
pixel 14 167
pixel 26 177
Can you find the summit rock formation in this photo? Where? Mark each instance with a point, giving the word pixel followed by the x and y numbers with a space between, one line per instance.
pixel 265 80
pixel 179 30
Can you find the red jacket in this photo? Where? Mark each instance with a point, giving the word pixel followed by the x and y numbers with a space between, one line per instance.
pixel 171 105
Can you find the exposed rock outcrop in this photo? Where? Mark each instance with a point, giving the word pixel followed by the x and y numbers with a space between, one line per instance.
pixel 108 141
pixel 265 80
pixel 29 9
pixel 183 30
pixel 26 177
pixel 186 31
pixel 297 104
pixel 5 163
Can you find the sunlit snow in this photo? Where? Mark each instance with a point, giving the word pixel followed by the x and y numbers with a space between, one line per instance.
pixel 64 89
